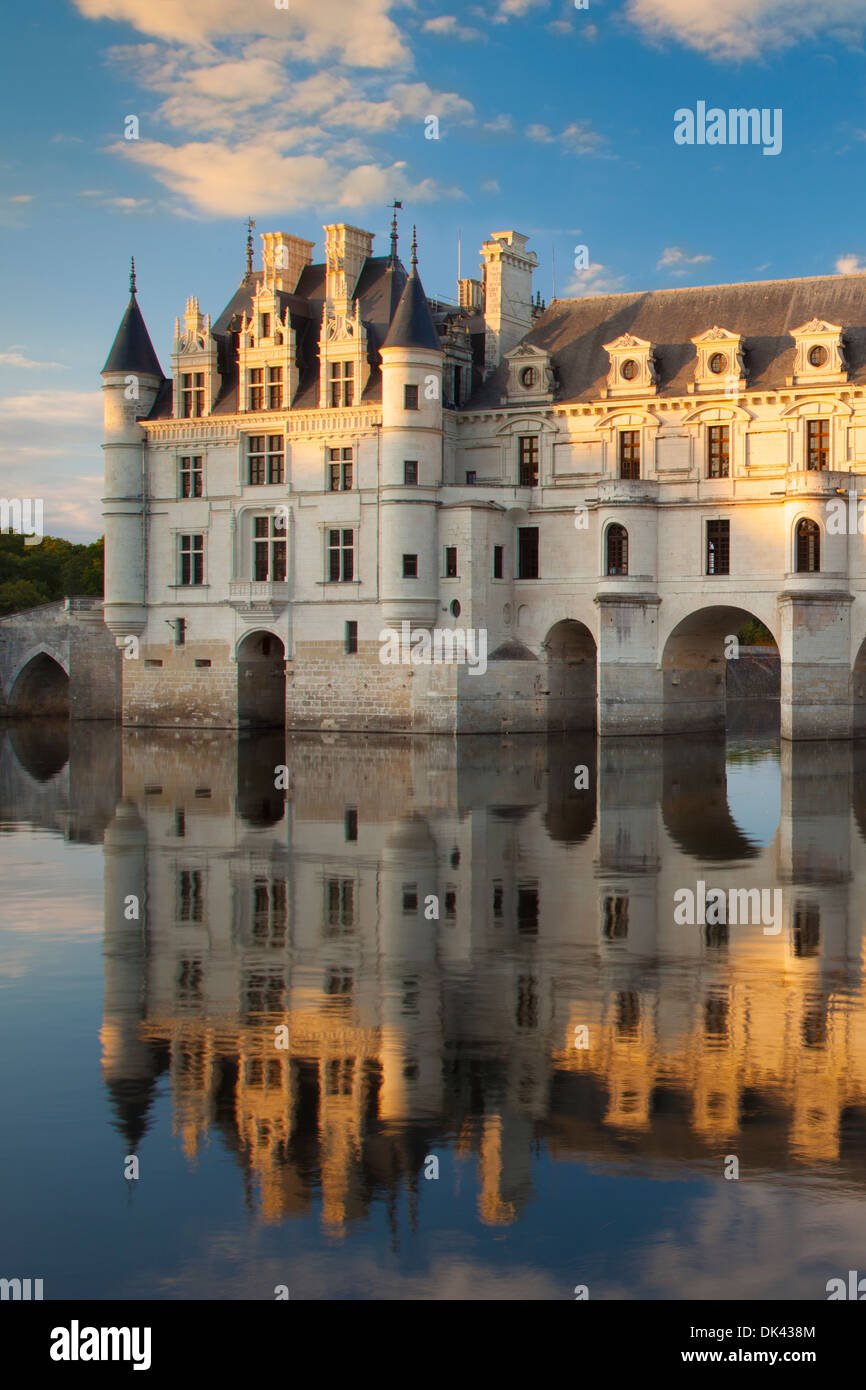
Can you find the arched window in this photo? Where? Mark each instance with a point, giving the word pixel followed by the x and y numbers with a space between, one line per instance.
pixel 808 547
pixel 616 561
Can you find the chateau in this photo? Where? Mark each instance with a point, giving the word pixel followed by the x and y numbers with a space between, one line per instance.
pixel 607 488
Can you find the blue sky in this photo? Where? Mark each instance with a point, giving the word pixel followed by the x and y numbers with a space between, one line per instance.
pixel 554 120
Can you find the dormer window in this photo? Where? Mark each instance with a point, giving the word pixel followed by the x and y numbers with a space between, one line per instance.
pixel 632 366
pixel 719 364
pixel 529 377
pixel 193 394
pixel 275 388
pixel 342 384
pixel 819 354
pixel 266 326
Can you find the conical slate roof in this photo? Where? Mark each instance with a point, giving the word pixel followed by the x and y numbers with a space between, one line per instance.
pixel 132 350
pixel 412 325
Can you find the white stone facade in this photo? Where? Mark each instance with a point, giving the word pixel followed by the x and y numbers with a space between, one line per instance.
pixel 571 428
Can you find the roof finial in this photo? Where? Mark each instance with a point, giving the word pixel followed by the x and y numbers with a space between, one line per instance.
pixel 132 275
pixel 414 247
pixel 250 225
pixel 395 205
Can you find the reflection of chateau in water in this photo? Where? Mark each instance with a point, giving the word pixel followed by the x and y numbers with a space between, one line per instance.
pixel 410 1036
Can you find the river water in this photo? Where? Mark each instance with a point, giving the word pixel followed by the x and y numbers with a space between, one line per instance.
pixel 382 1017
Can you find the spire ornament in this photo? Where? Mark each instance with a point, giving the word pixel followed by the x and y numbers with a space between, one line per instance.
pixel 250 225
pixel 414 247
pixel 132 275
pixel 395 205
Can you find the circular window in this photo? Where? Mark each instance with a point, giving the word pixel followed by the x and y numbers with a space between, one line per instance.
pixel 529 376
pixel 455 608
pixel 819 356
pixel 629 369
pixel 718 362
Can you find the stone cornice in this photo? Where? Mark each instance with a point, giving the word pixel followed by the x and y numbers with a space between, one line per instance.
pixel 231 427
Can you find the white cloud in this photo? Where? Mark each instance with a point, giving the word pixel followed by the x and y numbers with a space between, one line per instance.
pixel 500 125
pixel 850 265
pixel 21 198
pixel 360 32
pixel 447 26
pixel 225 180
pixel 580 138
pixel 490 186
pixel 13 356
pixel 595 279
pixel 516 9
pixel 675 256
pixel 50 448
pixel 741 29
pixel 577 138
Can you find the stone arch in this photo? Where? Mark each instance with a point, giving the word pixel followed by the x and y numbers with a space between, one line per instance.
pixel 572 666
pixel 261 662
pixel 695 807
pixel 696 679
pixel 40 686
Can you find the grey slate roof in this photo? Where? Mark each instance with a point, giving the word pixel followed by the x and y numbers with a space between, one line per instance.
pixel 764 312
pixel 132 350
pixel 412 325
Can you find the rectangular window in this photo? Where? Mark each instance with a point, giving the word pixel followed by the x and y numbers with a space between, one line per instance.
pixel 340 902
pixel 340 469
pixel 342 383
pixel 470 478
pixel 451 562
pixel 410 566
pixel 192 560
pixel 180 632
pixel 410 397
pixel 527 552
pixel 410 472
pixel 266 326
pixel 350 823
pixel 269 551
pixel 341 556
pixel 192 394
pixel 190 477
pixel 718 451
pixel 190 896
pixel 818 443
pixel 351 646
pixel 275 388
pixel 528 460
pixel 257 388
pixel 498 552
pixel 266 459
pixel 629 453
pixel 718 547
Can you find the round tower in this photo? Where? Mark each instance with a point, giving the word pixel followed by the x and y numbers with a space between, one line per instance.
pixel 411 459
pixel 131 381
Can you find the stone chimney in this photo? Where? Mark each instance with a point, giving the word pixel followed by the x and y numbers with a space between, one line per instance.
pixel 284 258
pixel 470 294
pixel 346 249
pixel 507 269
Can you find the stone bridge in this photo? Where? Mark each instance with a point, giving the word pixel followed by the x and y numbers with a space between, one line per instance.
pixel 59 660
